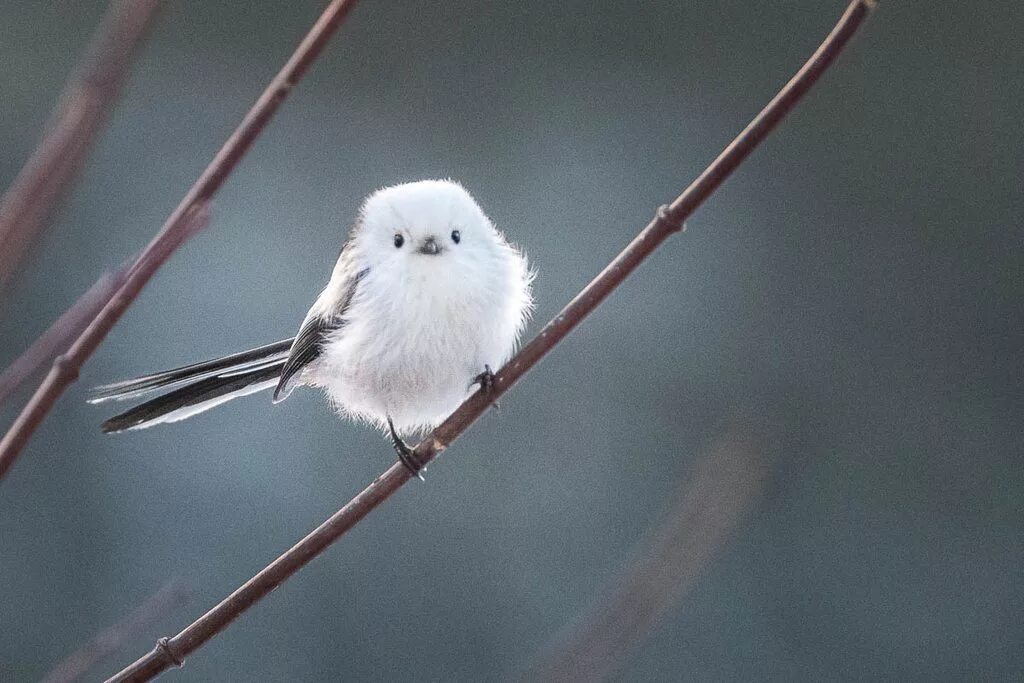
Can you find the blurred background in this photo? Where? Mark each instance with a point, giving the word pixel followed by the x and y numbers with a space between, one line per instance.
pixel 853 294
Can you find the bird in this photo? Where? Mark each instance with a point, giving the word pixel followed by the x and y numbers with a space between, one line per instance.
pixel 426 297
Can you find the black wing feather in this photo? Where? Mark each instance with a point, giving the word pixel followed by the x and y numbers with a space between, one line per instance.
pixel 305 349
pixel 309 341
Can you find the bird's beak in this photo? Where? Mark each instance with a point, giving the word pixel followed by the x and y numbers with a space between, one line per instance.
pixel 430 247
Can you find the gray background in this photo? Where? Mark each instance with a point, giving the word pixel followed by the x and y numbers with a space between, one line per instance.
pixel 855 288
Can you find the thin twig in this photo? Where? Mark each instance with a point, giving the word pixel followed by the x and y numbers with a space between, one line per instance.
pixel 80 113
pixel 717 497
pixel 173 233
pixel 67 365
pixel 669 219
pixel 62 332
pixel 111 639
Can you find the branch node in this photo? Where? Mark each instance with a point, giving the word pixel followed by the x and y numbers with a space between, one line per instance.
pixel 665 217
pixel 164 647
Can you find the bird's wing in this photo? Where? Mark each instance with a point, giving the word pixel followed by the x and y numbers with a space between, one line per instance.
pixel 320 322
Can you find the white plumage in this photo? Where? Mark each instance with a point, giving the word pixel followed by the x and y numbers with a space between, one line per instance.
pixel 420 326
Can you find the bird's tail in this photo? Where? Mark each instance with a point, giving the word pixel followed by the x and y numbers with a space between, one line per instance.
pixel 194 388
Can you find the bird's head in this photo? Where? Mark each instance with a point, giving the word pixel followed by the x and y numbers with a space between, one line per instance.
pixel 424 226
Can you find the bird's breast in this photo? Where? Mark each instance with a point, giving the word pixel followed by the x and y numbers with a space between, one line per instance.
pixel 421 319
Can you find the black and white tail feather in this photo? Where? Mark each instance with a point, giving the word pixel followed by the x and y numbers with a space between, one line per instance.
pixel 195 388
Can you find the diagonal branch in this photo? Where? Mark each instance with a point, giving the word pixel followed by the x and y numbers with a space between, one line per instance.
pixel 66 366
pixel 62 332
pixel 719 493
pixel 174 231
pixel 74 124
pixel 669 219
pixel 111 639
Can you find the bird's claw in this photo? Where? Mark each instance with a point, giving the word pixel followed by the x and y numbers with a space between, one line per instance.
pixel 486 381
pixel 406 454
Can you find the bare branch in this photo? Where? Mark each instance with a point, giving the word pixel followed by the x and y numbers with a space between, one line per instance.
pixel 80 113
pixel 718 495
pixel 67 365
pixel 62 332
pixel 177 228
pixel 110 640
pixel 172 651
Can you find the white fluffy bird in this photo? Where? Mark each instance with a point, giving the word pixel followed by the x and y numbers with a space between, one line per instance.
pixel 427 296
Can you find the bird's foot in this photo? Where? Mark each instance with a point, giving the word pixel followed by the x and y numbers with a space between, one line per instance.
pixel 405 452
pixel 486 381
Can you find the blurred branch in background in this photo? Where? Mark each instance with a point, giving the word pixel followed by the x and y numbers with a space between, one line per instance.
pixel 669 220
pixel 180 225
pixel 67 365
pixel 720 492
pixel 62 332
pixel 80 113
pixel 110 640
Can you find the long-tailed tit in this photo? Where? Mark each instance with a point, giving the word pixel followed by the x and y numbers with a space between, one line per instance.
pixel 427 296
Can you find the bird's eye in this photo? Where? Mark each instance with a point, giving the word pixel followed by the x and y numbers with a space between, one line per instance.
pixel 456 236
pixel 399 241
